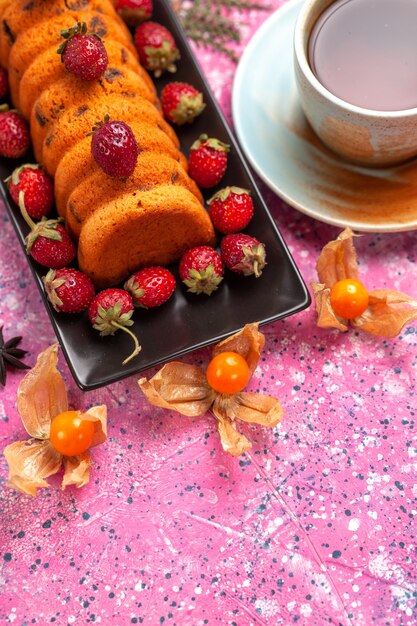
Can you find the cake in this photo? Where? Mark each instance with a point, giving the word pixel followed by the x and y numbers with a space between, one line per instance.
pixel 47 34
pixel 46 69
pixel 78 118
pixel 115 240
pixel 21 15
pixel 4 4
pixel 151 171
pixel 71 95
pixel 154 215
pixel 77 164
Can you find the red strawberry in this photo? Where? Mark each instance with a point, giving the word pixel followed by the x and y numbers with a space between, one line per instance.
pixel 83 55
pixel 50 245
pixel 135 11
pixel 201 269
pixel 114 147
pixel 231 209
pixel 68 290
pixel 151 286
pixel 181 103
pixel 14 133
pixel 48 242
pixel 36 187
pixel 156 48
pixel 207 161
pixel 243 254
pixel 111 311
pixel 4 83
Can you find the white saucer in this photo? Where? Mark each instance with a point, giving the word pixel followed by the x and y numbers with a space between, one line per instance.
pixel 289 158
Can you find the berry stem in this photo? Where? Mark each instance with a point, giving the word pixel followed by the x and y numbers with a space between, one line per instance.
pixel 137 349
pixel 24 212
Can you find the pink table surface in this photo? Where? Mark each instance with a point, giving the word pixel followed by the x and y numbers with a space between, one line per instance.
pixel 315 525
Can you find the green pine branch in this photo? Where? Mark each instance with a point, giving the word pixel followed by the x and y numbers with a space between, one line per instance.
pixel 208 23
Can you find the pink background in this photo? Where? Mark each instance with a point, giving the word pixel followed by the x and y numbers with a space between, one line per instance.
pixel 315 525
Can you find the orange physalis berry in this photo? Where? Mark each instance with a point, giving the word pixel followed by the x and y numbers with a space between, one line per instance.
pixel 70 435
pixel 228 373
pixel 349 298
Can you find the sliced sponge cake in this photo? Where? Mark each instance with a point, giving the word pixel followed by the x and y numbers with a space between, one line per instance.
pixel 151 171
pixel 156 228
pixel 155 214
pixel 78 163
pixel 47 68
pixel 21 15
pixel 79 117
pixel 44 35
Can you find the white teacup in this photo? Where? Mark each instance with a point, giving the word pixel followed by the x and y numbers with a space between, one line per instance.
pixel 364 136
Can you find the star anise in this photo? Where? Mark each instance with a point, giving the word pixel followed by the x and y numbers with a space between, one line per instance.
pixel 10 355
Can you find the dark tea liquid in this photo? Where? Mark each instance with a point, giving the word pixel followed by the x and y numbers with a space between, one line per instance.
pixel 365 52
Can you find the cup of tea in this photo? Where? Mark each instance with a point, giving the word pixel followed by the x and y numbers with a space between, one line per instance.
pixel 356 73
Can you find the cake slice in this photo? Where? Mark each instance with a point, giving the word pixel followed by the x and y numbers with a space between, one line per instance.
pixel 46 69
pixel 46 34
pixel 21 15
pixel 78 164
pixel 152 170
pixel 78 119
pixel 155 228
pixel 69 91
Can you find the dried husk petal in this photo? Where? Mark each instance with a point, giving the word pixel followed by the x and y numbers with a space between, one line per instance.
pixel 326 317
pixel 97 415
pixel 387 313
pixel 184 388
pixel 30 462
pixel 338 260
pixel 231 439
pixel 257 408
pixel 42 395
pixel 246 407
pixel 179 387
pixel 76 470
pixel 248 342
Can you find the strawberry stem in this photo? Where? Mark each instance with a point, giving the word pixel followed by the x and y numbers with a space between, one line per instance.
pixel 24 212
pixel 137 349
